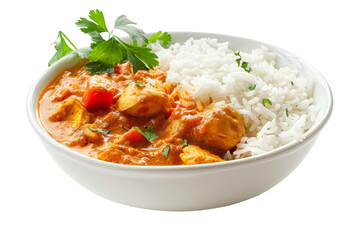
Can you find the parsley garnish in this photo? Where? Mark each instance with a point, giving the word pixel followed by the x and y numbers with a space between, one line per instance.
pixel 244 65
pixel 238 59
pixel 163 37
pixel 148 134
pixel 166 151
pixel 266 100
pixel 287 112
pixel 252 86
pixel 185 143
pixel 292 83
pixel 124 24
pixel 124 128
pixel 139 83
pixel 105 53
pixel 62 48
pixel 100 130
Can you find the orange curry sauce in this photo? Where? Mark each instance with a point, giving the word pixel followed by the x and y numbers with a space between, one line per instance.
pixel 185 132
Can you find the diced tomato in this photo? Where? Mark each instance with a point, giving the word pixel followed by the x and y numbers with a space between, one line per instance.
pixel 134 136
pixel 168 114
pixel 97 96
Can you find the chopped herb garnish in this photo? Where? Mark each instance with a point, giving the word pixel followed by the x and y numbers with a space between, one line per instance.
pixel 125 128
pixel 166 151
pixel 151 85
pixel 139 84
pixel 244 65
pixel 185 143
pixel 247 70
pixel 287 112
pixel 292 83
pixel 100 130
pixel 238 59
pixel 148 134
pixel 252 86
pixel 256 135
pixel 266 100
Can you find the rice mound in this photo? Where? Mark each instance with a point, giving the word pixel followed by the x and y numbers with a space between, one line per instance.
pixel 208 69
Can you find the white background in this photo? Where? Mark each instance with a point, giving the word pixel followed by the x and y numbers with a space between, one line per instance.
pixel 319 200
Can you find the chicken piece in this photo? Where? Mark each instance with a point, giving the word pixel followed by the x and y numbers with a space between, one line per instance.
pixel 63 92
pixel 221 127
pixel 124 69
pixel 99 92
pixel 195 155
pixel 118 153
pixel 155 75
pixel 72 110
pixel 143 101
pixel 92 134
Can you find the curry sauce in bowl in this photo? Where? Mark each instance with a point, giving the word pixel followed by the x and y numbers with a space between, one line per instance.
pixel 137 119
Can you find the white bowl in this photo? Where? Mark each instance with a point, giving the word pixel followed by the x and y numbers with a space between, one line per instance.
pixel 187 187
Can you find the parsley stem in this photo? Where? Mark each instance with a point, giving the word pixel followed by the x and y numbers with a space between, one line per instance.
pixel 68 40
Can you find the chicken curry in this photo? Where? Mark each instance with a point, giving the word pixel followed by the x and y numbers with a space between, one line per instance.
pixel 137 119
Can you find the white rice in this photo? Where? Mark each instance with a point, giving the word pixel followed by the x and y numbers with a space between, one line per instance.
pixel 207 68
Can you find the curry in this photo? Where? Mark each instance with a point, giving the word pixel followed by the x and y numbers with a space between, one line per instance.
pixel 136 119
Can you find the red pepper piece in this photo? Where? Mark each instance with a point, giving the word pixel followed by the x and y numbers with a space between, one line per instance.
pixel 97 94
pixel 168 114
pixel 97 99
pixel 134 136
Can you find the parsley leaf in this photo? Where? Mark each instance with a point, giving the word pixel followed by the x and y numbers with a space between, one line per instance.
pixel 164 38
pixel 96 38
pixel 166 151
pixel 266 100
pixel 252 86
pixel 238 59
pixel 287 112
pixel 108 52
pixel 244 65
pixel 105 53
pixel 148 134
pixel 97 25
pixel 62 48
pixel 124 24
pixel 98 67
pixel 140 57
pixel 100 130
pixel 140 84
pixel 83 52
pixel 185 143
